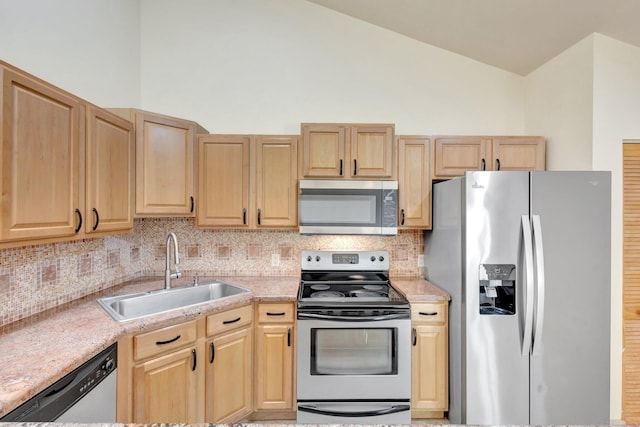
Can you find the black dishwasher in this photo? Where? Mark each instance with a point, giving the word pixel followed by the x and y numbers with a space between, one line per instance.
pixel 86 395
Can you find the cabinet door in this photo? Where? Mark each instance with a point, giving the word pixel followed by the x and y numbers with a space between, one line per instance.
pixel 414 182
pixel 223 181
pixel 453 155
pixel 165 389
pixel 371 151
pixel 42 135
pixel 274 367
pixel 276 165
pixel 323 151
pixel 519 153
pixel 164 165
pixel 109 172
pixel 228 377
pixel 429 387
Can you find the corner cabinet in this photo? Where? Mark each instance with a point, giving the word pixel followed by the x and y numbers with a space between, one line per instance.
pixel 429 359
pixel 414 182
pixel 165 163
pixel 275 361
pixel 347 151
pixel 454 155
pixel 228 369
pixel 247 181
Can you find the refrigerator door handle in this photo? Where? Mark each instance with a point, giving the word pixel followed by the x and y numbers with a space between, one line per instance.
pixel 540 285
pixel 529 277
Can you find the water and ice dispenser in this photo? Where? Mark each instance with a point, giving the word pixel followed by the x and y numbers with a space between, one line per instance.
pixel 497 289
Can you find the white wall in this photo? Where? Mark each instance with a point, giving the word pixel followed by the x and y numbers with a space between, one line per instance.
pixel 616 116
pixel 586 101
pixel 265 66
pixel 89 48
pixel 559 106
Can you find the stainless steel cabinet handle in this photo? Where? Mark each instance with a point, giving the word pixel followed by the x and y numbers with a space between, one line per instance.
pixel 95 226
pixel 79 220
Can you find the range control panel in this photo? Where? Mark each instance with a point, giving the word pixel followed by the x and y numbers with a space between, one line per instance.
pixel 345 260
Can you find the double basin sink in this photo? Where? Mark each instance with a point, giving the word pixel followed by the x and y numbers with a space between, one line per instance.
pixel 133 306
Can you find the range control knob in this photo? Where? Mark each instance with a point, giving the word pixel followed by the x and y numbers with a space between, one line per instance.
pixel 373 258
pixel 318 258
pixel 381 258
pixel 309 258
pixel 109 365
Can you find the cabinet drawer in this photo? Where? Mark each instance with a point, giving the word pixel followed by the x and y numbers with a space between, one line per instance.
pixel 228 320
pixel 276 313
pixel 162 340
pixel 429 313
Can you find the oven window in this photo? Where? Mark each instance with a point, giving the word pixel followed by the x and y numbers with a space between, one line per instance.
pixel 354 351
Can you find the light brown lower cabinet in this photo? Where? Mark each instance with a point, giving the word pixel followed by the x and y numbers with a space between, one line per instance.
pixel 429 360
pixel 228 369
pixel 274 362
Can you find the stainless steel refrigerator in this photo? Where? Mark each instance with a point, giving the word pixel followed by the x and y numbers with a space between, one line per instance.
pixel 526 259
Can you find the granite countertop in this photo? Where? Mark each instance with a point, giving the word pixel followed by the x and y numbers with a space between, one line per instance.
pixel 39 350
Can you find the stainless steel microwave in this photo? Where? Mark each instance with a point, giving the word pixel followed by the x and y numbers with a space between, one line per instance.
pixel 348 207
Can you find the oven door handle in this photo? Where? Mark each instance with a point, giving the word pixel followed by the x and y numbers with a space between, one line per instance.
pixel 354 318
pixel 384 411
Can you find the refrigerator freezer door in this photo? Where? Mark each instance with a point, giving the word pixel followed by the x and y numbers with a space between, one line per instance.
pixel 570 364
pixel 496 372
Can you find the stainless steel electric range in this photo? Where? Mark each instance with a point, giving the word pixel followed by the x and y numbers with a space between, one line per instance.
pixel 354 350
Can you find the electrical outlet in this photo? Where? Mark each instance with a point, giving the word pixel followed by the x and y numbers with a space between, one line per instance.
pixel 275 260
pixel 421 260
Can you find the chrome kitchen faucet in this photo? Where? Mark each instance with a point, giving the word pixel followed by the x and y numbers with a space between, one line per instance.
pixel 176 258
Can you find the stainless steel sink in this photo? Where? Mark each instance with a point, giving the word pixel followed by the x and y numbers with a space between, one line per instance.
pixel 136 305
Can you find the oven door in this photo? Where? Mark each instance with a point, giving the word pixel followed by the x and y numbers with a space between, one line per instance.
pixel 353 359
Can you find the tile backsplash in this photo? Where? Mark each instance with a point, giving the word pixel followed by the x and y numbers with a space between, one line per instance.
pixel 36 278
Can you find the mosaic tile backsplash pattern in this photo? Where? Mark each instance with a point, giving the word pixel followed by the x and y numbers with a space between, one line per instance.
pixel 36 278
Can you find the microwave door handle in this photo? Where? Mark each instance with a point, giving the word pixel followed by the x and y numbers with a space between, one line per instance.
pixel 353 318
pixel 384 411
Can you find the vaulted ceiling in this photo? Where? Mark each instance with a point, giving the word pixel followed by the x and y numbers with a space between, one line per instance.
pixel 514 35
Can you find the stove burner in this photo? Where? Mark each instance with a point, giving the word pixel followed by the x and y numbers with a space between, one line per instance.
pixel 320 287
pixel 373 287
pixel 357 276
pixel 327 294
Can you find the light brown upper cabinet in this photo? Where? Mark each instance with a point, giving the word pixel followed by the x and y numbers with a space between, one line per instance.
pixel 109 183
pixel 414 182
pixel 67 165
pixel 347 151
pixel 453 155
pixel 165 163
pixel 247 181
pixel 42 142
